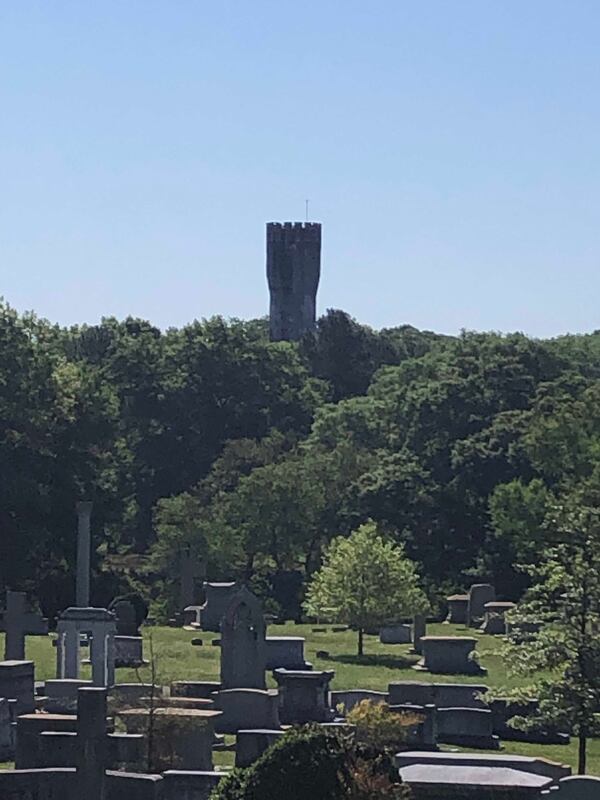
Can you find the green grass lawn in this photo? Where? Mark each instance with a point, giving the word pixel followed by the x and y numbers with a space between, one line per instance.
pixel 176 659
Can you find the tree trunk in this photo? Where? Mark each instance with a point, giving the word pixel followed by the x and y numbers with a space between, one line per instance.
pixel 582 759
pixel 360 641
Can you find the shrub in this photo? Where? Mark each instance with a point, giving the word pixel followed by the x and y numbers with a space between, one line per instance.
pixel 313 763
pixel 380 728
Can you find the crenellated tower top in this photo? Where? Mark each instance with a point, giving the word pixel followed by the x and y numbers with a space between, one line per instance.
pixel 293 272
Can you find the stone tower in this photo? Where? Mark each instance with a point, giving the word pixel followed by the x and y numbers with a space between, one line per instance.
pixel 293 271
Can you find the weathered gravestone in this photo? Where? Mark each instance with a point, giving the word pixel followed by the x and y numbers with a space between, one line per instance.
pixel 504 709
pixel 18 622
pixel 246 708
pixel 200 689
pixel 441 695
pixel 251 744
pixel 17 683
pixel 29 730
pixel 100 627
pixel 303 696
pixel 449 655
pixel 62 695
pixel 243 647
pixel 458 609
pixel 479 595
pixel 576 787
pixel 552 770
pixel 419 630
pixel 129 644
pixel 91 736
pixel 189 785
pixel 82 741
pixel 472 783
pixel 191 570
pixel 494 621
pixel 344 701
pixel 182 738
pixel 467 727
pixel 286 652
pixel 423 734
pixel 218 597
pixel 7 730
pixel 395 634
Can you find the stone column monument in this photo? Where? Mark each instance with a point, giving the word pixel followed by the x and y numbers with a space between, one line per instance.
pixel 14 646
pixel 84 545
pixel 92 743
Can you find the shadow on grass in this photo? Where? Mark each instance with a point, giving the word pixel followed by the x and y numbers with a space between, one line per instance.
pixel 376 660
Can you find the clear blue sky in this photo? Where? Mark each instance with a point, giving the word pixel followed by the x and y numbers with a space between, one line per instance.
pixel 451 149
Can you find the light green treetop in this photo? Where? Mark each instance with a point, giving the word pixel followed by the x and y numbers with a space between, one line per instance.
pixel 365 581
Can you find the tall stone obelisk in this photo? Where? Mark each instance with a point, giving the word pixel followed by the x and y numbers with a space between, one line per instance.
pixel 84 546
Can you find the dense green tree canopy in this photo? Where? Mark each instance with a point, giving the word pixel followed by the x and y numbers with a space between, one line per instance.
pixel 256 454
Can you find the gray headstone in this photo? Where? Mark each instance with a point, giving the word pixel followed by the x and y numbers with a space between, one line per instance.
pixel 418 632
pixel 19 622
pixel 92 743
pixel 479 595
pixel 303 696
pixel 395 634
pixel 243 647
pixel 577 787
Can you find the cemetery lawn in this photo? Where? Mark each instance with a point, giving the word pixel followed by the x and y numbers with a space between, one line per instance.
pixel 176 659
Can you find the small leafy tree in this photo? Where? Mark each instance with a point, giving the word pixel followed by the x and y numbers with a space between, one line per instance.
pixel 554 630
pixel 365 581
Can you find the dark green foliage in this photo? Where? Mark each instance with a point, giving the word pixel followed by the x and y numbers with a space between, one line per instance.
pixel 562 610
pixel 253 455
pixel 312 763
pixel 309 763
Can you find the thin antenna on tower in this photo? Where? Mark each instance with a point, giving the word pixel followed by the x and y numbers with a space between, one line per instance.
pixel 306 203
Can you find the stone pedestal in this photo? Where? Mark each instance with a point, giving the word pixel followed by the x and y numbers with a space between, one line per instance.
pixel 458 609
pixel 479 595
pixel 395 634
pixel 467 727
pixel 184 738
pixel 17 683
pixel 61 695
pixel 246 708
pixel 419 630
pixel 201 689
pixel 92 743
pixel 286 652
pixel 7 731
pixel 251 744
pixel 129 651
pixel 494 622
pixel 449 655
pixel 441 695
pixel 218 599
pixel 303 696
pixel 29 730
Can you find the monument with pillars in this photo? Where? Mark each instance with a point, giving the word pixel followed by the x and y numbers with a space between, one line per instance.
pixel 293 272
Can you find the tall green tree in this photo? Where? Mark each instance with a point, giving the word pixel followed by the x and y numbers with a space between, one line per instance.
pixel 365 581
pixel 560 616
